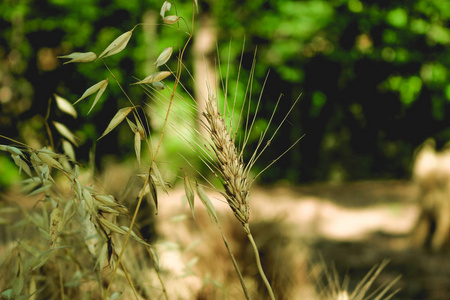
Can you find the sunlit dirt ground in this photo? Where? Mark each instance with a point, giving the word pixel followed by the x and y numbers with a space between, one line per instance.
pixel 351 226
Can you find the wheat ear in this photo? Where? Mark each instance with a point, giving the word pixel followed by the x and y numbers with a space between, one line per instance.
pixel 231 166
pixel 233 174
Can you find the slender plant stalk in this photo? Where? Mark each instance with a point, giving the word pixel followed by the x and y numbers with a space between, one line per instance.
pixel 258 264
pixel 141 196
pixel 61 283
pixel 133 222
pixel 119 259
pixel 129 280
pixel 137 209
pixel 47 127
pixel 236 267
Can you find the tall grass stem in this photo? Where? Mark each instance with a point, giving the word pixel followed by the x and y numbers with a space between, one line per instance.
pixel 258 263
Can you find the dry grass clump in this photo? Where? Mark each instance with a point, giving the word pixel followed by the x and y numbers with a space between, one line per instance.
pixel 66 239
pixel 330 287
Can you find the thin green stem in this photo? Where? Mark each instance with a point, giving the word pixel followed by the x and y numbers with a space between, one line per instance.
pixel 118 83
pixel 47 127
pixel 141 196
pixel 14 141
pixel 129 281
pixel 258 263
pixel 177 81
pixel 236 267
pixel 119 259
pixel 61 282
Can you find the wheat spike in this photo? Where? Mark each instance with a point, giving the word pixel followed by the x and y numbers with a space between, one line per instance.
pixel 231 166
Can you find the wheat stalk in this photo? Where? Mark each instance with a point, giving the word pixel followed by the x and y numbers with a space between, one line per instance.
pixel 233 173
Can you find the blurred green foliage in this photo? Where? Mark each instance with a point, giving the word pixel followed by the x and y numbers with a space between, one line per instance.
pixel 8 171
pixel 373 75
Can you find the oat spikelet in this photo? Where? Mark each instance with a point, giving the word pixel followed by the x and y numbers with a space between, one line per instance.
pixel 231 165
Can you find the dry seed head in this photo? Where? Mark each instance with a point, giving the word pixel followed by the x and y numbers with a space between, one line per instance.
pixel 165 8
pixel 21 164
pixel 117 45
pixel 65 106
pixel 11 149
pixel 171 19
pixel 79 57
pixel 65 132
pixel 154 77
pixel 163 57
pixel 231 166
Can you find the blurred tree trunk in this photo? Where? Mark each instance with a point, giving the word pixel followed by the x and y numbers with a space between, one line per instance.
pixel 204 69
pixel 150 34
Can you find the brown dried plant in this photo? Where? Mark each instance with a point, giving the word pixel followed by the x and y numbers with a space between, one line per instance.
pixel 82 214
